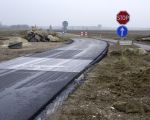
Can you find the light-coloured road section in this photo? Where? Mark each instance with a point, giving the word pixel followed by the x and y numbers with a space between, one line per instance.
pixel 144 46
pixel 29 83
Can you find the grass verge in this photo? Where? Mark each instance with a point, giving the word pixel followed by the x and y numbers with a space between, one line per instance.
pixel 116 89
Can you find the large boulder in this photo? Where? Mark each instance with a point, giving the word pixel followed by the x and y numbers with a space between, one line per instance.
pixel 15 45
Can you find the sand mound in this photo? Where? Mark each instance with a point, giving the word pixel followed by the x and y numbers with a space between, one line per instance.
pixel 25 43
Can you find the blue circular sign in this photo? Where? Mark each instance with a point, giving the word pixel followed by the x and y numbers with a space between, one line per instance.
pixel 122 31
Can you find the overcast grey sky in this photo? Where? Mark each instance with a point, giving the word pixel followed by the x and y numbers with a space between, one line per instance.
pixel 77 12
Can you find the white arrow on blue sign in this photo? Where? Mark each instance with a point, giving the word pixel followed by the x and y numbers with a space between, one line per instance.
pixel 122 31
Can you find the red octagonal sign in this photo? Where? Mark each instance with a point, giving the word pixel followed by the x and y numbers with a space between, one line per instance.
pixel 123 17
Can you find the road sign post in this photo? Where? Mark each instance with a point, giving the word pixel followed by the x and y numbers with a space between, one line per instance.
pixel 123 18
pixel 122 31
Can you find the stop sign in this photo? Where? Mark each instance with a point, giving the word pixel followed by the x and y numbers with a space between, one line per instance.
pixel 123 17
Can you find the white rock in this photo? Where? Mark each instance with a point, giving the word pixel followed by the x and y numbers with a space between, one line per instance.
pixel 53 39
pixel 141 51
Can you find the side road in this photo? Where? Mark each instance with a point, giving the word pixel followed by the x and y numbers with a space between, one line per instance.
pixel 144 46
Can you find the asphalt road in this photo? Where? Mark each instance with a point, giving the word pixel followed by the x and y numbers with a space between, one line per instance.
pixel 28 83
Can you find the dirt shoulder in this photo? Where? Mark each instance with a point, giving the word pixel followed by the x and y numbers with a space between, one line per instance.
pixel 117 88
pixel 35 47
pixel 12 36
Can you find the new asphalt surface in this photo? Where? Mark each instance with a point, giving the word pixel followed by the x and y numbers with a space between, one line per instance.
pixel 28 83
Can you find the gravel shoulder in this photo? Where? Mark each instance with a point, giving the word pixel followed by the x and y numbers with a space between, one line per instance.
pixel 117 88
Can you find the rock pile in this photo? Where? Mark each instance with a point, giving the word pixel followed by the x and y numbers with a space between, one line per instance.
pixel 41 36
pixel 37 36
